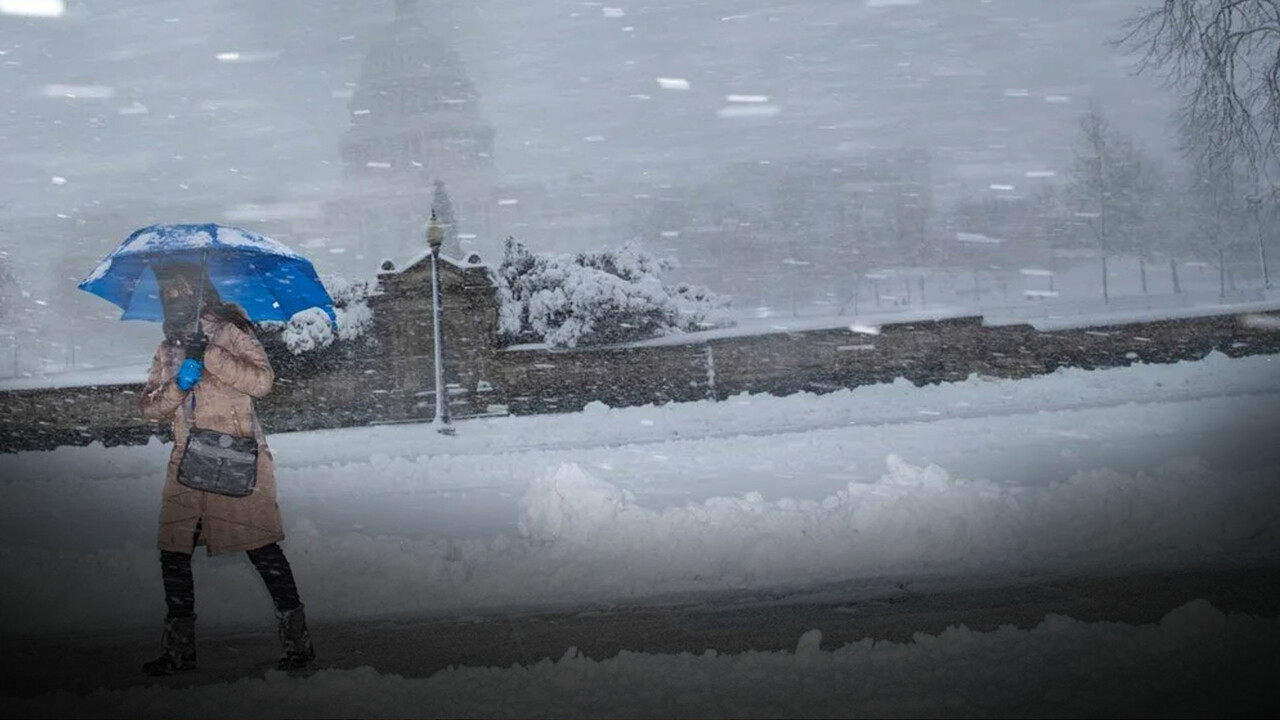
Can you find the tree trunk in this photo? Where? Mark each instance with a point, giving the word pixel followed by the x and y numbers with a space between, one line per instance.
pixel 1262 248
pixel 1173 273
pixel 1262 258
pixel 1142 271
pixel 1106 297
pixel 1222 275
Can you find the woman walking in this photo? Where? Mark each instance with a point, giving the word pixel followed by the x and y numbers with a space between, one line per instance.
pixel 205 376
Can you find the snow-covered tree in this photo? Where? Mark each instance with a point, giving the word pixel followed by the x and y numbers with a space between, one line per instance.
pixel 442 207
pixel 596 298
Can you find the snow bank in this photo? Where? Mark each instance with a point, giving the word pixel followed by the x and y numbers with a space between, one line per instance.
pixel 583 540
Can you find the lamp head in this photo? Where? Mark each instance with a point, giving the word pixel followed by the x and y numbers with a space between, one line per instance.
pixel 435 236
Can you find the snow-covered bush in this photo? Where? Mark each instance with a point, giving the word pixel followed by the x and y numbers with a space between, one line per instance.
pixel 596 298
pixel 310 329
pixel 349 304
pixel 307 330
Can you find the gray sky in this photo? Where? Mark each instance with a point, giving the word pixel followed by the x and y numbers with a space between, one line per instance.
pixel 570 87
pixel 165 123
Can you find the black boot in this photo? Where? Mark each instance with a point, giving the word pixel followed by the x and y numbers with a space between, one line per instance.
pixel 179 644
pixel 296 640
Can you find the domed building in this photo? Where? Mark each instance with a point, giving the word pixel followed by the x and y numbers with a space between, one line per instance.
pixel 415 123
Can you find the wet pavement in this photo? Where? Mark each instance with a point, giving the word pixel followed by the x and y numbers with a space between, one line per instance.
pixel 727 623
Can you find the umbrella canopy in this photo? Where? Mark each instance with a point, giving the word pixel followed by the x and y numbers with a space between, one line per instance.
pixel 263 276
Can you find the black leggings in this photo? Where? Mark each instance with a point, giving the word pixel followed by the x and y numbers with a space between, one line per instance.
pixel 268 560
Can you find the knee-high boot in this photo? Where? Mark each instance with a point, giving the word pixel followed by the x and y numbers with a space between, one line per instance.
pixel 179 639
pixel 295 638
pixel 179 648
pixel 278 575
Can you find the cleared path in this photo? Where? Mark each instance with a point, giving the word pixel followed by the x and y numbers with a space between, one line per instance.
pixel 420 647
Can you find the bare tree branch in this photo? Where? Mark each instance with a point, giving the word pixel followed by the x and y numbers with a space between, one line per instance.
pixel 1224 57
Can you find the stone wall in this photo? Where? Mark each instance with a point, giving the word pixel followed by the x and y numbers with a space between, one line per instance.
pixel 532 381
pixel 46 418
pixel 536 381
pixel 389 375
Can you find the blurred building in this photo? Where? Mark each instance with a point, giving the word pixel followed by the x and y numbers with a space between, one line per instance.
pixel 767 226
pixel 415 118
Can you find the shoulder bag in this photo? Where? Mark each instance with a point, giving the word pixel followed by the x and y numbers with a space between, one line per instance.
pixel 219 463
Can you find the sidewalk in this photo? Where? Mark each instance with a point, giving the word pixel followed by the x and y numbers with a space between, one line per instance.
pixel 419 648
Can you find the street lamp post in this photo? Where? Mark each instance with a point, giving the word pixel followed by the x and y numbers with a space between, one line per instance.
pixel 435 238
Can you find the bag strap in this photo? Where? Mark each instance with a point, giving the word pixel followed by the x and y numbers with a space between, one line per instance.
pixel 258 434
pixel 188 411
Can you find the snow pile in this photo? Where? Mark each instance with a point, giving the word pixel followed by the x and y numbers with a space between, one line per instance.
pixel 1188 664
pixel 915 520
pixel 583 540
pixel 568 504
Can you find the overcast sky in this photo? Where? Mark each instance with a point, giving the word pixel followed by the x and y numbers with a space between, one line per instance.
pixel 569 86
pixel 123 112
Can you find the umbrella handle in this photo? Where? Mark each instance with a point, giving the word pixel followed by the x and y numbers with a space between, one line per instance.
pixel 204 271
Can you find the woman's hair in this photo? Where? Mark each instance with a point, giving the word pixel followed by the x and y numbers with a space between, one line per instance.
pixel 232 313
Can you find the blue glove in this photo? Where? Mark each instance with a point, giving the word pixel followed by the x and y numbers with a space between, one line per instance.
pixel 189 374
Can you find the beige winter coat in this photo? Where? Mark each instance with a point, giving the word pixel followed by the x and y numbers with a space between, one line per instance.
pixel 236 371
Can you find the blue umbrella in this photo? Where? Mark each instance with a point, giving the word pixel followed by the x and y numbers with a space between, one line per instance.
pixel 263 276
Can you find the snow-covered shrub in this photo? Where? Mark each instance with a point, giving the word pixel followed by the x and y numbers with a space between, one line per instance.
pixel 310 329
pixel 349 304
pixel 596 298
pixel 307 330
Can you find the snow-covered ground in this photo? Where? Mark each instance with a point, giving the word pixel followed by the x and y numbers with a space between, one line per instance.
pixel 1151 467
